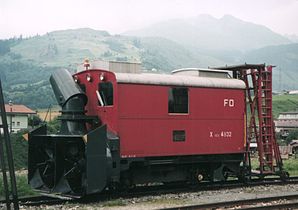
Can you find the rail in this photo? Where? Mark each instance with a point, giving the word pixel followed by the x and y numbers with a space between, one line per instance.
pixel 148 191
pixel 255 203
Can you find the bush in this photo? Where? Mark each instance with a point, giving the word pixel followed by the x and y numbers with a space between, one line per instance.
pixel 292 135
pixel 20 149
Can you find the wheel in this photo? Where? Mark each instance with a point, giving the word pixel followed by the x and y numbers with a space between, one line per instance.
pixel 284 175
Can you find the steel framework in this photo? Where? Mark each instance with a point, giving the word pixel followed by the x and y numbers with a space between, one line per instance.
pixel 260 126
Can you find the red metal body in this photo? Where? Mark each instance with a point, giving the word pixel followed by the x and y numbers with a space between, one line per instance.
pixel 215 123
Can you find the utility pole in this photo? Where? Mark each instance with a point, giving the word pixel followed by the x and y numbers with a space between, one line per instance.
pixel 10 107
pixel 10 189
pixel 279 80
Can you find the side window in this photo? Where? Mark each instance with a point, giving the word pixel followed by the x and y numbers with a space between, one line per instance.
pixel 105 90
pixel 178 100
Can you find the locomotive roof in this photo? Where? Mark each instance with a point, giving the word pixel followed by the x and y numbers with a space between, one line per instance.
pixel 179 80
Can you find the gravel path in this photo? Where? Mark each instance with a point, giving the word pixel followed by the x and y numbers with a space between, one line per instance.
pixel 173 199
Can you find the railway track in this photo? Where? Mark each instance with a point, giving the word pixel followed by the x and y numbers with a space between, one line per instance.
pixel 272 202
pixel 40 200
pixel 148 191
pixel 206 186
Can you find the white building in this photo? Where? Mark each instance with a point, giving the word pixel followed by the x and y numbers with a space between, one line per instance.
pixel 285 122
pixel 17 116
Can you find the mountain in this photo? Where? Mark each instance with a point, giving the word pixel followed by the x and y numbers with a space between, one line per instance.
pixel 285 57
pixel 292 37
pixel 208 33
pixel 161 53
pixel 26 64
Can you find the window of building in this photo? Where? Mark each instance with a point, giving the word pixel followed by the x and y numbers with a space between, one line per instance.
pixel 13 123
pixel 18 123
pixel 105 90
pixel 178 100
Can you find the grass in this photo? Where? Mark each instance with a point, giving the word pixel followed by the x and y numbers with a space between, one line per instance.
pixel 55 111
pixel 284 103
pixel 116 202
pixel 290 165
pixel 22 186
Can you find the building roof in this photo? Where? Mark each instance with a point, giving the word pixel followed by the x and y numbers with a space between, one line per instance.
pixel 291 123
pixel 289 112
pixel 18 108
pixel 294 142
pixel 179 80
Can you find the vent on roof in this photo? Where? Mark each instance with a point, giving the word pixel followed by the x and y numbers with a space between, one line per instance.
pixel 202 73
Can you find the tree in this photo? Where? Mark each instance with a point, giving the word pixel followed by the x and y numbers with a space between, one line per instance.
pixel 34 121
pixel 293 134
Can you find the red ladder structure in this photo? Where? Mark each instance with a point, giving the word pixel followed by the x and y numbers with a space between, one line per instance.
pixel 258 80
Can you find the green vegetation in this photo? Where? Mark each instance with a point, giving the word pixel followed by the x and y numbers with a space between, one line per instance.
pixel 116 202
pixel 22 185
pixel 20 149
pixel 293 135
pixel 290 165
pixel 26 83
pixel 284 103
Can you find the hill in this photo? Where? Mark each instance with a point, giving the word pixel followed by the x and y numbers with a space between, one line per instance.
pixel 285 57
pixel 25 64
pixel 284 103
pixel 68 48
pixel 208 33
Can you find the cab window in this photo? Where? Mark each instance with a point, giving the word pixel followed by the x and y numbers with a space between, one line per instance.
pixel 105 89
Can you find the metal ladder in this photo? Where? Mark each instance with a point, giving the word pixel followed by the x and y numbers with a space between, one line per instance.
pixel 261 107
pixel 258 81
pixel 9 185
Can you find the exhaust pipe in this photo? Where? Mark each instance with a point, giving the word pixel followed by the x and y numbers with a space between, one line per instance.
pixel 72 100
pixel 74 161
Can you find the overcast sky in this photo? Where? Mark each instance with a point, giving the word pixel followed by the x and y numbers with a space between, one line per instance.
pixel 31 17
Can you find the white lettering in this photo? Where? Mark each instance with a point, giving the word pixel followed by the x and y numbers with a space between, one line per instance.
pixel 229 102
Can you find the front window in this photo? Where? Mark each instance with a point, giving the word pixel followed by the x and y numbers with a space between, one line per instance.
pixel 105 90
pixel 178 100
